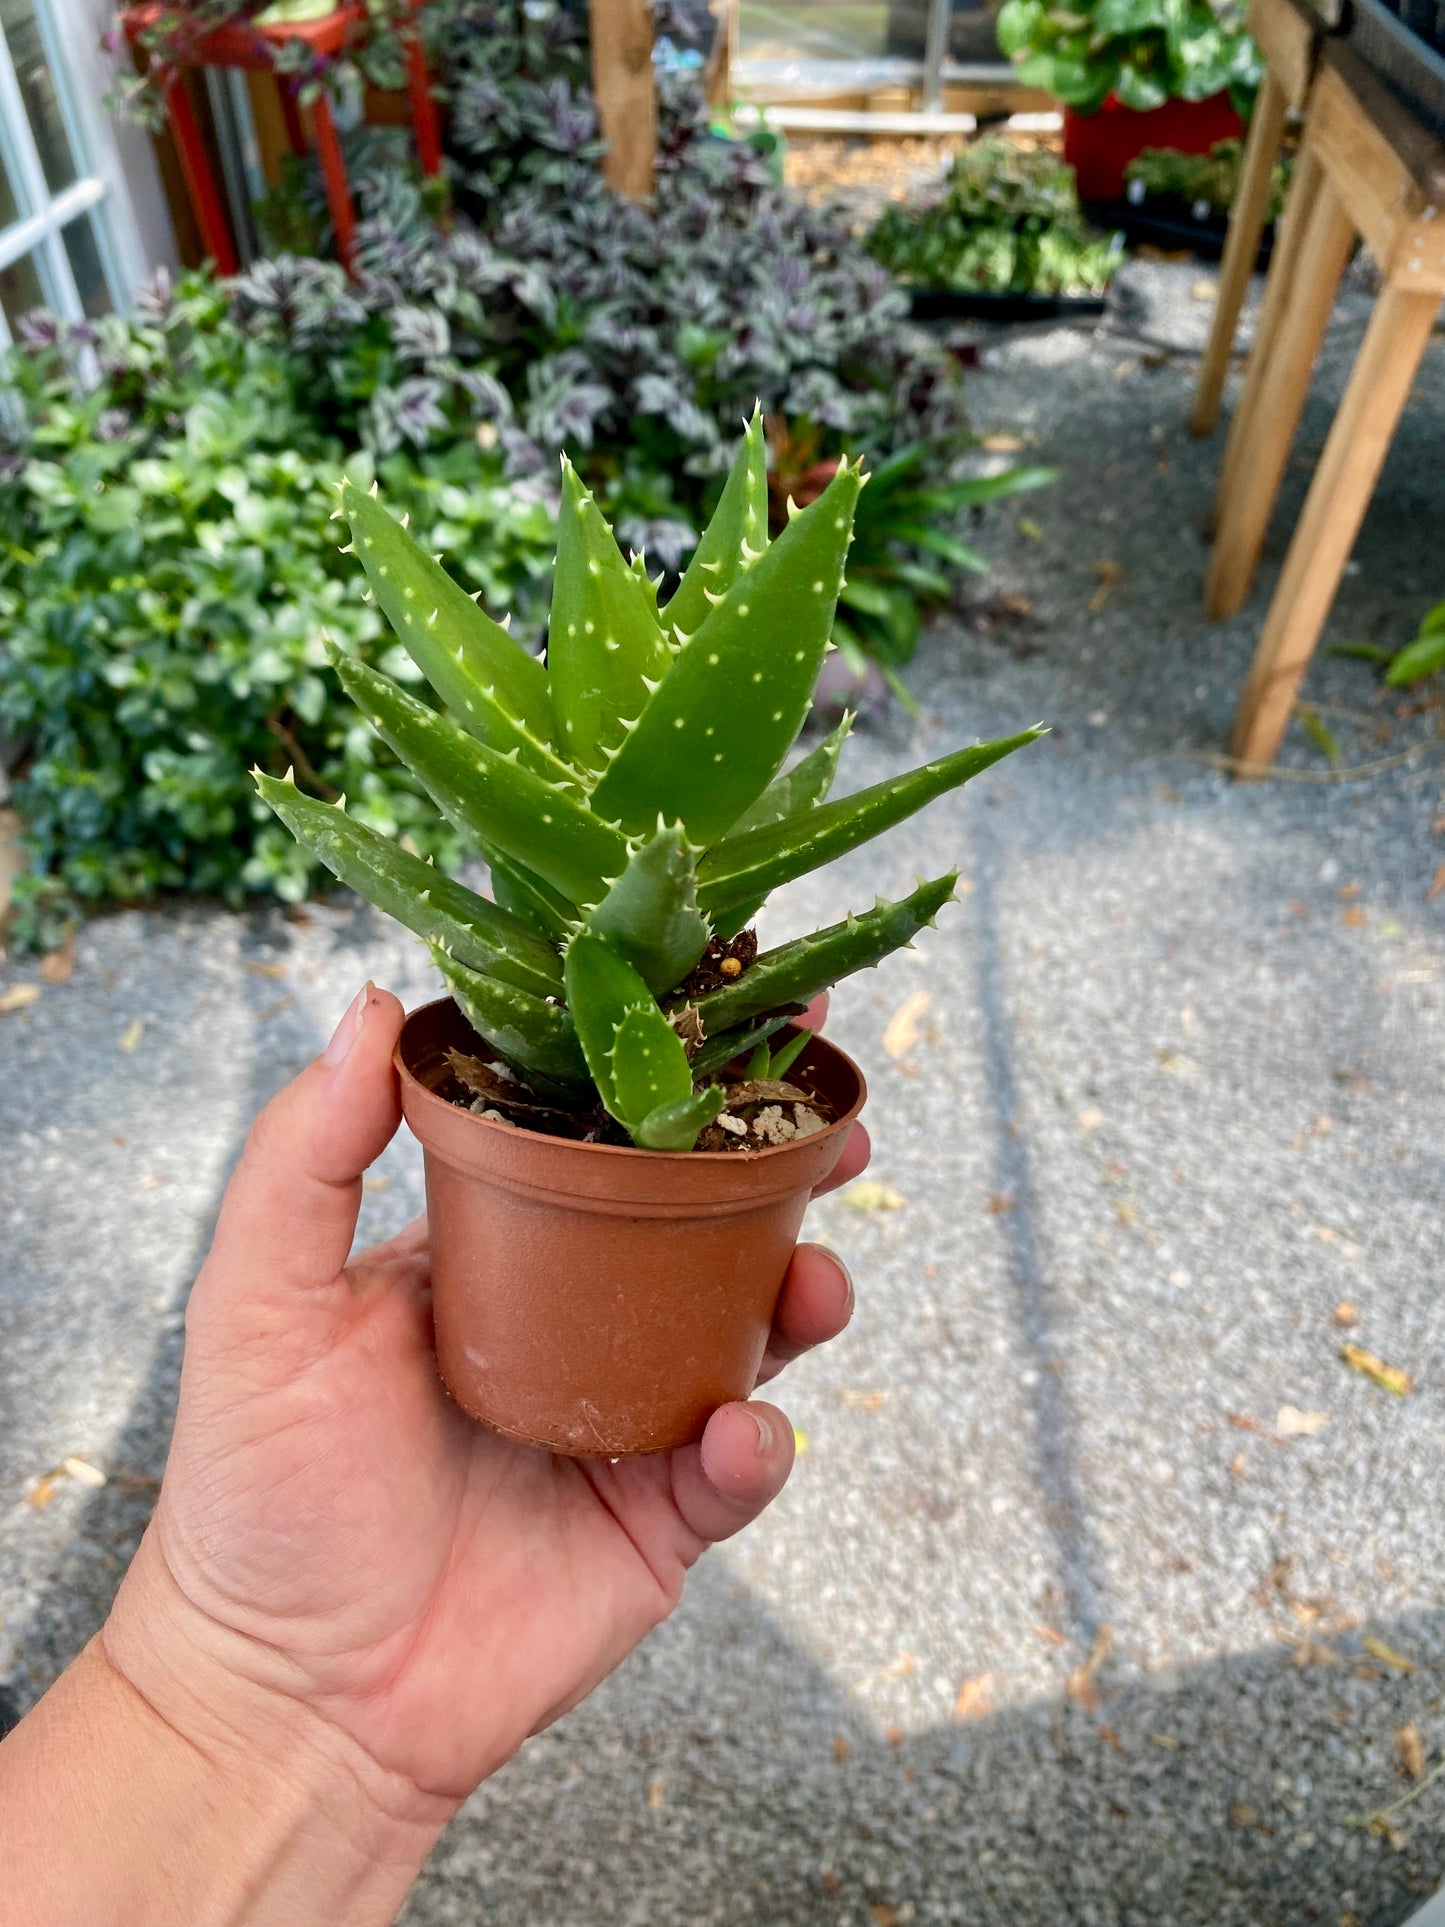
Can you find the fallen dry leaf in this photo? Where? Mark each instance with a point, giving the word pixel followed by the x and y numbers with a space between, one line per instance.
pixel 1387 1656
pixel 1389 1378
pixel 1292 1423
pixel 841 1748
pixel 1239 1465
pixel 275 1009
pixel 902 1030
pixel 132 1034
pixel 1082 1684
pixel 656 1794
pixel 1437 885
pixel 1051 1634
pixel 1111 1738
pixel 18 997
pixel 1003 444
pixel 84 1471
pixel 882 1915
pixel 872 1194
pixel 264 969
pixel 865 1401
pixel 1031 530
pixel 58 966
pixel 894 1735
pixel 1110 574
pixel 1349 891
pixel 1240 1814
pixel 1346 1314
pixel 1412 1750
pixel 1166 1740
pixel 1000 1203
pixel 975 1698
pixel 829 1881
pixel 1354 918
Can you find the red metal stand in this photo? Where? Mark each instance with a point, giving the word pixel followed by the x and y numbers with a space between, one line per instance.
pixel 241 43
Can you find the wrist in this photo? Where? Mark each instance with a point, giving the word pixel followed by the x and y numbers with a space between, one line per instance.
pixel 300 1820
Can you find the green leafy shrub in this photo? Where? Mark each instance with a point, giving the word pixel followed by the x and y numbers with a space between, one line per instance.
pixel 168 578
pixel 1006 222
pixel 1144 52
pixel 1205 184
pixel 906 555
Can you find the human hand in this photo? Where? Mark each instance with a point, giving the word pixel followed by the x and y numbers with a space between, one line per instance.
pixel 339 1555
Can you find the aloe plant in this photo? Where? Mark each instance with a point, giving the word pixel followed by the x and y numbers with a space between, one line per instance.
pixel 630 798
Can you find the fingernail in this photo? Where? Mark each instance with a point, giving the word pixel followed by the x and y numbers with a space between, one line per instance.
pixel 765 1433
pixel 848 1285
pixel 349 1029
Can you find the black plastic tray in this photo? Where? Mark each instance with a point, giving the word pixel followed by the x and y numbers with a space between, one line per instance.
pixel 948 304
pixel 1410 67
pixel 1147 223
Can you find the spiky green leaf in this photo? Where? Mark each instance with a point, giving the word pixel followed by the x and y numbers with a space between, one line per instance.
pixel 675 1127
pixel 493 797
pixel 788 1053
pixel 601 990
pixel 715 733
pixel 649 1066
pixel 536 1038
pixel 797 971
pixel 732 541
pixel 650 915
pixel 798 789
pixel 605 649
pixel 536 903
pixel 746 868
pixel 434 906
pixel 494 689
pixel 730 1044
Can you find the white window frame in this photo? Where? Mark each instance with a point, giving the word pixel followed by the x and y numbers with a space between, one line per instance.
pixel 116 174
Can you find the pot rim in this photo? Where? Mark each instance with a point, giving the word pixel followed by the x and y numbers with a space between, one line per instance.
pixel 429 1100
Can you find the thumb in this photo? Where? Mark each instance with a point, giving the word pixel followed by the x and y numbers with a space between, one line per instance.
pixel 290 1210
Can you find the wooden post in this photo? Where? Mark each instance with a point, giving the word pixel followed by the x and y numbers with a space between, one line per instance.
pixel 1246 225
pixel 1326 530
pixel 626 98
pixel 1257 462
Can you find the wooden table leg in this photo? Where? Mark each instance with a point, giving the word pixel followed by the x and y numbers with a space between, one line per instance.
pixel 1339 495
pixel 424 118
pixel 291 113
pixel 200 182
pixel 1268 432
pixel 1241 249
pixel 1303 193
pixel 333 172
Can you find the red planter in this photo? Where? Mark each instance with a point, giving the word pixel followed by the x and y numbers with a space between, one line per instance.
pixel 1100 146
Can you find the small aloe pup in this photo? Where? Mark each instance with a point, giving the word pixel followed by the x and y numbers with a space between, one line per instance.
pixel 630 799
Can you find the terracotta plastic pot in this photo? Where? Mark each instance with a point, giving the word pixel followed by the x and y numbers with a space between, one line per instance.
pixel 592 1298
pixel 1100 146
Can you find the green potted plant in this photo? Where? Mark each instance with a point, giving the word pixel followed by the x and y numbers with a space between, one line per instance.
pixel 1133 74
pixel 619 1146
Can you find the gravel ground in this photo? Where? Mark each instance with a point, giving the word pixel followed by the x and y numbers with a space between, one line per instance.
pixel 1059 1621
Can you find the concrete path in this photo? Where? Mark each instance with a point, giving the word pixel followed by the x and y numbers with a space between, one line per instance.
pixel 1103 1587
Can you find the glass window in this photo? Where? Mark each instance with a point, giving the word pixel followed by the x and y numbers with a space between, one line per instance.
pixel 37 86
pixel 20 289
pixel 85 265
